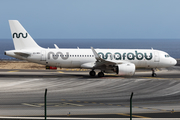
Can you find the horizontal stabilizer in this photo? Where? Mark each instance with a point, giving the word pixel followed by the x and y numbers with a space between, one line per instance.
pixel 22 54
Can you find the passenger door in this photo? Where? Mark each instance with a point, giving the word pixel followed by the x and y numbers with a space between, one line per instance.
pixel 43 55
pixel 156 56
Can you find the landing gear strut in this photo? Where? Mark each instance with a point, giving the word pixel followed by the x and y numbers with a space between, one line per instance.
pixel 153 73
pixel 92 73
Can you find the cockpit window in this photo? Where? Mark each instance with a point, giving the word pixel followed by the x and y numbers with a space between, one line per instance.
pixel 167 56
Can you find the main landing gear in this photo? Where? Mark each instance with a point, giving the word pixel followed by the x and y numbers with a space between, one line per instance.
pixel 93 73
pixel 153 73
pixel 101 74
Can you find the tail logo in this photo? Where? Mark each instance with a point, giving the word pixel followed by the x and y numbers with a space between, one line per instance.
pixel 19 35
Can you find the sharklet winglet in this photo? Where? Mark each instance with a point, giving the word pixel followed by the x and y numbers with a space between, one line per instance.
pixel 95 54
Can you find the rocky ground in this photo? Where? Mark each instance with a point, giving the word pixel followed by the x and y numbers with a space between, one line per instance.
pixel 4 64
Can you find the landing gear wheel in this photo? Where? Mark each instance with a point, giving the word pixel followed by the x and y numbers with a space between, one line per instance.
pixel 154 75
pixel 100 74
pixel 92 73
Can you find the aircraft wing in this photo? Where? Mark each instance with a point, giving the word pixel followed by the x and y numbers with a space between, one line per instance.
pixel 101 62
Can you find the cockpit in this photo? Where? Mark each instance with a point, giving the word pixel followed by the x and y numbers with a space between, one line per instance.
pixel 167 55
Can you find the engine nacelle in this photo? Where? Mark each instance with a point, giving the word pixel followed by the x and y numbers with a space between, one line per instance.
pixel 126 69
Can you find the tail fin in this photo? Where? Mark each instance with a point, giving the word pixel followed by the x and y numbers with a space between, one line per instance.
pixel 21 38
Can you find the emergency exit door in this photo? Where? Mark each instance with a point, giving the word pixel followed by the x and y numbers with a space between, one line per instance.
pixel 156 56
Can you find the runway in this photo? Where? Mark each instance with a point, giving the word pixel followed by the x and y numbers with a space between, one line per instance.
pixel 74 92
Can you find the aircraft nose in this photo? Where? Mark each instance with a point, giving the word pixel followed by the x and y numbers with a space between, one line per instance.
pixel 173 61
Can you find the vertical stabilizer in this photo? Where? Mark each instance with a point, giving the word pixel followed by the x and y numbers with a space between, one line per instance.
pixel 21 38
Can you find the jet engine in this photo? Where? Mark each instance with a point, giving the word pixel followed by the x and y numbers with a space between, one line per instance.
pixel 126 69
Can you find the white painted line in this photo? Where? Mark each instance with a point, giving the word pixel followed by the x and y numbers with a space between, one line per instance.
pixel 30 105
pixel 73 104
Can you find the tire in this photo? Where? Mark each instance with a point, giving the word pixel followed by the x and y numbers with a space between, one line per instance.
pixel 100 74
pixel 154 75
pixel 92 73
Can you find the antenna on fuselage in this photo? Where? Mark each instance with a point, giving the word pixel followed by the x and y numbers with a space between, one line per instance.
pixel 77 47
pixel 56 46
pixel 152 48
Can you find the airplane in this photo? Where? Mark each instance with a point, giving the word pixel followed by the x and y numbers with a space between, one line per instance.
pixel 123 62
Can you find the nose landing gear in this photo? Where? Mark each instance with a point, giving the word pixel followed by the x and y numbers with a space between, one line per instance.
pixel 153 73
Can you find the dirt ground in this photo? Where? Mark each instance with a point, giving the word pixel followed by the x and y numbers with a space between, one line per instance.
pixel 20 65
pixel 9 64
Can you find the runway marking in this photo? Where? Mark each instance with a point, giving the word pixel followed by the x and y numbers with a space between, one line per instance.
pixel 136 107
pixel 32 105
pixel 152 109
pixel 14 71
pixel 132 115
pixel 73 104
pixel 75 69
pixel 51 104
pixel 119 105
pixel 152 77
pixel 60 72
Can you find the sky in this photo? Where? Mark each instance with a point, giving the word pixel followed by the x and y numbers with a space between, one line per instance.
pixel 93 19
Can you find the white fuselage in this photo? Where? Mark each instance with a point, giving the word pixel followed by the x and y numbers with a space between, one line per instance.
pixel 76 58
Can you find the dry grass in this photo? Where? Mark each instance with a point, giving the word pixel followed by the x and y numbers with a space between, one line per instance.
pixel 20 65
